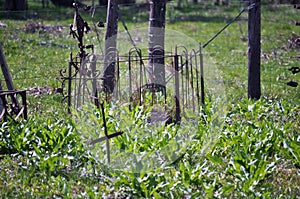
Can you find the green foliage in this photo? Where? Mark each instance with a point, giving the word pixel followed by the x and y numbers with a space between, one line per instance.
pixel 235 148
pixel 51 146
pixel 258 141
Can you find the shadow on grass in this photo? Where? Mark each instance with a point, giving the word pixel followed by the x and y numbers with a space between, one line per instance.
pixel 135 13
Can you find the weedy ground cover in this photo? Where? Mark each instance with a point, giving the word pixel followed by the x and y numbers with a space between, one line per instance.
pixel 252 151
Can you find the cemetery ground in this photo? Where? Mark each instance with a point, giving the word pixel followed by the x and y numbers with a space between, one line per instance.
pixel 251 150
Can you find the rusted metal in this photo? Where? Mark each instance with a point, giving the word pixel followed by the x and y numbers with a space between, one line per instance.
pixel 192 85
pixel 106 136
pixel 5 71
pixel 95 141
pixel 14 108
pixel 137 75
pixel 194 56
pixel 85 72
pixel 11 109
pixel 183 68
pixel 78 73
pixel 84 78
pixel 84 82
pixel 78 29
pixel 68 77
pixel 70 84
pixel 202 77
pixel 177 102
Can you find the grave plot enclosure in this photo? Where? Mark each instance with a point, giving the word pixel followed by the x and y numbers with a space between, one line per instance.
pixel 169 82
pixel 134 83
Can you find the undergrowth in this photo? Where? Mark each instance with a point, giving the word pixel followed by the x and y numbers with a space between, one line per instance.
pixel 251 150
pixel 257 146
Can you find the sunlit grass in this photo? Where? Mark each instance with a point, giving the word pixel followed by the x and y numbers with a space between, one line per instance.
pixel 238 148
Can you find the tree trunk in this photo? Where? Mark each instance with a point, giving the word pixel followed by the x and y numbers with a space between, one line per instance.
pixel 226 3
pixel 110 51
pixel 66 3
pixel 15 5
pixel 254 35
pixel 217 2
pixel 179 2
pixel 103 2
pixel 156 41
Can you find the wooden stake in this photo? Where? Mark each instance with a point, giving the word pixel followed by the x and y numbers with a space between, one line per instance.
pixel 254 35
pixel 202 77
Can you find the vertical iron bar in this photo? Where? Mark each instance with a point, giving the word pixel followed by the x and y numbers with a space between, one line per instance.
pixel 76 82
pixel 5 107
pixel 141 76
pixel 187 79
pixel 197 81
pixel 79 83
pixel 182 81
pixel 202 76
pixel 153 78
pixel 23 94
pixel 105 132
pixel 84 81
pixel 96 101
pixel 118 77
pixel 177 116
pixel 1 102
pixel 192 86
pixel 94 80
pixel 70 84
pixel 130 82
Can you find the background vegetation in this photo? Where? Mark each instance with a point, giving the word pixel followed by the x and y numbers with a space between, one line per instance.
pixel 253 151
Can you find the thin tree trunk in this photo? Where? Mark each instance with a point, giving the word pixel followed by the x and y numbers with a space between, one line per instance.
pixel 103 2
pixel 157 41
pixel 15 5
pixel 217 2
pixel 110 51
pixel 254 35
pixel 226 2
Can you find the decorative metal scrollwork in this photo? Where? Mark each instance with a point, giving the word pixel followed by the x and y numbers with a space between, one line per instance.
pixel 11 107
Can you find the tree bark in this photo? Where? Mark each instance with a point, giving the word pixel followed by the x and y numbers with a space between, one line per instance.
pixel 103 2
pixel 156 41
pixel 254 36
pixel 15 5
pixel 110 51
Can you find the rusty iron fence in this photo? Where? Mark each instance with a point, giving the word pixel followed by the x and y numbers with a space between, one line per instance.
pixel 13 105
pixel 184 88
pixel 177 86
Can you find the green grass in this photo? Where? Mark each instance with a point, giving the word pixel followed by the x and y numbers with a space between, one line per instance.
pixel 249 156
pixel 235 147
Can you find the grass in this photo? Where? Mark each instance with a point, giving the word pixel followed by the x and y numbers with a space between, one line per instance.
pixel 235 148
